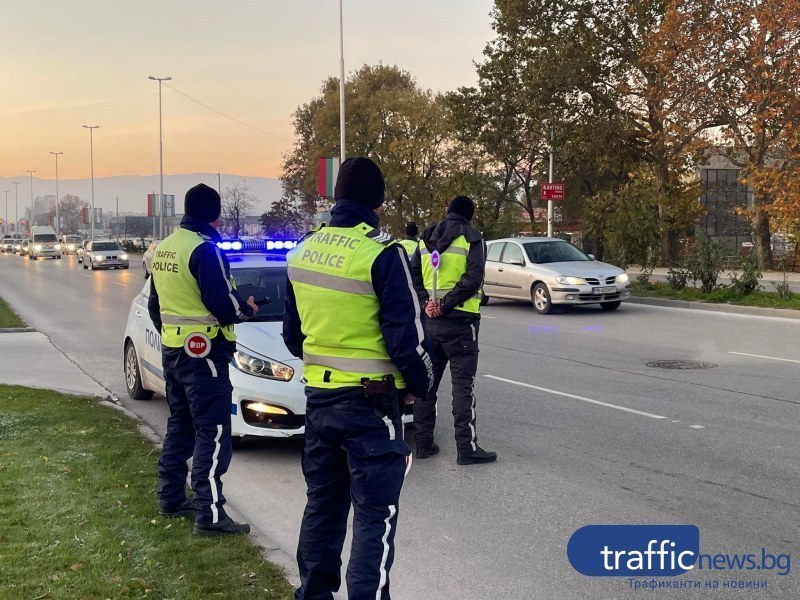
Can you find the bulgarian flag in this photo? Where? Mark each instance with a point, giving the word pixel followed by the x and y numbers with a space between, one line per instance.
pixel 328 170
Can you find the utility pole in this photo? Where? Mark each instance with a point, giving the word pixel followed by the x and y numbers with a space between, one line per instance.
pixel 31 220
pixel 219 184
pixel 16 205
pixel 116 224
pixel 160 80
pixel 5 223
pixel 58 222
pixel 91 129
pixel 343 153
pixel 552 164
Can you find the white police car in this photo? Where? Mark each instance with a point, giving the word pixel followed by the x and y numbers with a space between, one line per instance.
pixel 268 395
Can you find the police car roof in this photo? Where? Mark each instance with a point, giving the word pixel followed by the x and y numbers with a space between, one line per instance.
pixel 257 259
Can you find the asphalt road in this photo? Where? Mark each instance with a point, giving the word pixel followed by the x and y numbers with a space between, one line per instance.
pixel 587 433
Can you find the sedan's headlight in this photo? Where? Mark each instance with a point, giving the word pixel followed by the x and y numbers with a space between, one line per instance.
pixel 99 257
pixel 37 247
pixel 123 256
pixel 622 278
pixel 570 280
pixel 262 367
pixel 71 247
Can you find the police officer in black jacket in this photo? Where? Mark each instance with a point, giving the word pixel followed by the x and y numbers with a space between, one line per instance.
pixel 453 310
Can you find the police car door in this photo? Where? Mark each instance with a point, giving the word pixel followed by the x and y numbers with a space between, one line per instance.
pixel 148 346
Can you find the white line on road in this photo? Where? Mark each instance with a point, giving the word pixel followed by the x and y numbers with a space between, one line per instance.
pixel 487 317
pixel 767 357
pixel 697 426
pixel 589 400
pixel 85 275
pixel 118 283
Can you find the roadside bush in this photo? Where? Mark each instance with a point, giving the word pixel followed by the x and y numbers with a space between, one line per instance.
pixel 129 246
pixel 748 281
pixel 706 263
pixel 782 287
pixel 678 277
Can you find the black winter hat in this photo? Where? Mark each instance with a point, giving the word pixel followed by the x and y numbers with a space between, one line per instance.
pixel 360 180
pixel 203 203
pixel 462 205
pixel 411 229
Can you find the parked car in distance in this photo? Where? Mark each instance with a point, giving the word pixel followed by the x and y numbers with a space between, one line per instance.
pixel 9 239
pixel 105 254
pixel 82 250
pixel 70 243
pixel 44 243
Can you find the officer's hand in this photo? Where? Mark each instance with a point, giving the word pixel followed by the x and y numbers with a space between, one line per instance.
pixel 251 302
pixel 410 398
pixel 433 309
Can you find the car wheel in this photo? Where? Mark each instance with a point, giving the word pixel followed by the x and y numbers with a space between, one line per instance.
pixel 541 299
pixel 609 306
pixel 484 298
pixel 31 257
pixel 126 267
pixel 133 379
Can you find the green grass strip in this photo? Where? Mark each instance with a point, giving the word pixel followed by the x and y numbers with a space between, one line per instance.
pixel 724 295
pixel 79 513
pixel 8 318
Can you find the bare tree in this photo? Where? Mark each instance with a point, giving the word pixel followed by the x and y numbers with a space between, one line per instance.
pixel 237 202
pixel 69 208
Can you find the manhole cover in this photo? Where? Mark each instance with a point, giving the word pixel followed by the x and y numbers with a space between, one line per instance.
pixel 680 364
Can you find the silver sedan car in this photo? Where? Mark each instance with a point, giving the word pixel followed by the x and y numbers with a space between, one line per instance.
pixel 551 271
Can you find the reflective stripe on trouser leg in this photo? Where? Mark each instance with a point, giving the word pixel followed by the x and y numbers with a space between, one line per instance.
pixel 425 409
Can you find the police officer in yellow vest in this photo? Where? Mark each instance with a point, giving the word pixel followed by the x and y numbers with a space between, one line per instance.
pixel 453 310
pixel 353 316
pixel 194 304
pixel 410 242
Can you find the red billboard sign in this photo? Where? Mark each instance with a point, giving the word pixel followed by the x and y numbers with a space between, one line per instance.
pixel 552 191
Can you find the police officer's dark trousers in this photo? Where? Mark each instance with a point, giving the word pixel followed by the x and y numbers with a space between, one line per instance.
pixel 351 455
pixel 454 340
pixel 199 427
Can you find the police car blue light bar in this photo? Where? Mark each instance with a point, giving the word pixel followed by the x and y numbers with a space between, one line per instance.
pixel 257 245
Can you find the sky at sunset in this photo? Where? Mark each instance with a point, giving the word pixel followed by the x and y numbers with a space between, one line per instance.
pixel 68 63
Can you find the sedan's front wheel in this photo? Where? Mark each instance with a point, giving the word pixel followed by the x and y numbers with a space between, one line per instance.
pixel 541 299
pixel 133 379
pixel 609 306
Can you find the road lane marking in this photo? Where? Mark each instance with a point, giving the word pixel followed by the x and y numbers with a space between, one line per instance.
pixel 766 357
pixel 697 426
pixel 85 274
pixel 589 400
pixel 487 317
pixel 118 283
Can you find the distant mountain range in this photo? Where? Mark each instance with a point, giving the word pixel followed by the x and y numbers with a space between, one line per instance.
pixel 132 190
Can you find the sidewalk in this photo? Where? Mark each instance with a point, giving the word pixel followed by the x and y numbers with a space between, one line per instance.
pixel 30 359
pixel 660 274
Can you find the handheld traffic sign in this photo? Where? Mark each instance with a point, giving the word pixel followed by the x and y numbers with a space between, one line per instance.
pixel 435 261
pixel 197 345
pixel 552 191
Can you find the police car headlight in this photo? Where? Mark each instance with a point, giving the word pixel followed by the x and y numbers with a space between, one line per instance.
pixel 262 367
pixel 570 280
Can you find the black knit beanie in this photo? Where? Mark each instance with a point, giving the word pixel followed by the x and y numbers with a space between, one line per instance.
pixel 462 205
pixel 411 229
pixel 203 203
pixel 360 180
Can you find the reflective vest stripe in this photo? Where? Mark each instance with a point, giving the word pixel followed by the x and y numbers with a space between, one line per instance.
pixel 355 365
pixel 185 320
pixel 450 250
pixel 330 282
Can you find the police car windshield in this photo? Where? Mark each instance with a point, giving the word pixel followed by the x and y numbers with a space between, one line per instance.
pixel 105 246
pixel 46 237
pixel 271 283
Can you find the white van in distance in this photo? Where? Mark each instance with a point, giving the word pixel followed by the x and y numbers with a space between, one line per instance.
pixel 44 243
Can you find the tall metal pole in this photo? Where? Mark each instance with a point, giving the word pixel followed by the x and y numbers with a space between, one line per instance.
pixel 552 163
pixel 91 129
pixel 58 222
pixel 31 220
pixel 343 153
pixel 16 205
pixel 160 158
pixel 5 223
pixel 116 225
pixel 219 184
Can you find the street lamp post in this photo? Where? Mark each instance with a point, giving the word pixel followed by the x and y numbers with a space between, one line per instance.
pixel 32 220
pixel 16 205
pixel 160 80
pixel 550 179
pixel 58 222
pixel 5 223
pixel 341 83
pixel 91 163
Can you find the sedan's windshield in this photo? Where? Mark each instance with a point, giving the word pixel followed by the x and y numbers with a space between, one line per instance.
pixel 553 252
pixel 271 283
pixel 105 246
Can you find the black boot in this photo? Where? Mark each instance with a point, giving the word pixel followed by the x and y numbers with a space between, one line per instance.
pixel 478 456
pixel 424 452
pixel 225 527
pixel 183 510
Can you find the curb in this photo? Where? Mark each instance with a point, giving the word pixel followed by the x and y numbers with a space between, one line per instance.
pixel 782 313
pixel 17 330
